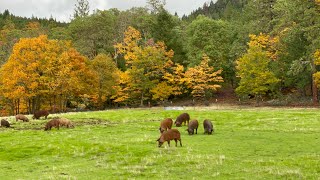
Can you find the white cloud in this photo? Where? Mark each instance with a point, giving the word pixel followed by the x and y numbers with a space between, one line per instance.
pixel 184 7
pixel 62 10
pixel 98 4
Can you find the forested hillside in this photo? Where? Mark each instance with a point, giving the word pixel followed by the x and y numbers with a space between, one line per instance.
pixel 267 50
pixel 221 9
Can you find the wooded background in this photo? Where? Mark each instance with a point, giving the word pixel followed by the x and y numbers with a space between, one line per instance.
pixel 260 49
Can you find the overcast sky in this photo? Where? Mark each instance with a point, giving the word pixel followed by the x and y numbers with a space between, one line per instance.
pixel 62 10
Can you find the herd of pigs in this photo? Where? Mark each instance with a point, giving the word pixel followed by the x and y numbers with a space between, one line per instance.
pixel 167 134
pixel 55 122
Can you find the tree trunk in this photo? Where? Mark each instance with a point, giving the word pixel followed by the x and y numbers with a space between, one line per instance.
pixel 62 103
pixel 314 86
pixel 18 106
pixel 314 93
pixel 100 104
pixel 258 99
pixel 11 107
pixel 141 101
pixel 54 104
pixel 29 106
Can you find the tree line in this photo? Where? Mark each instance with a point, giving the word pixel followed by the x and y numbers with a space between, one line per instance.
pixel 262 48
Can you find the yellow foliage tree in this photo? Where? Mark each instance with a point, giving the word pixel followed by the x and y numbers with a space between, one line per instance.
pixel 162 91
pixel 203 79
pixel 130 45
pixel 146 64
pixel 265 42
pixel 253 69
pixel 316 75
pixel 34 29
pixel 122 87
pixel 32 25
pixel 176 79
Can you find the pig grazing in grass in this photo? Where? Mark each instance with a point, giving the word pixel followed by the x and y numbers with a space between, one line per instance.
pixel 22 117
pixel 193 125
pixel 182 118
pixel 5 123
pixel 171 134
pixel 52 123
pixel 208 127
pixel 65 122
pixel 165 125
pixel 40 113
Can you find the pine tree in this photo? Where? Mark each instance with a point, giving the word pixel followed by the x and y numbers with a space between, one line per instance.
pixel 81 9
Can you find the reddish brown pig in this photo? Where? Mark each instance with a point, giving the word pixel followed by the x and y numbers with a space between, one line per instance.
pixel 208 127
pixel 171 134
pixel 22 117
pixel 165 125
pixel 182 118
pixel 193 125
pixel 40 113
pixel 5 123
pixel 52 123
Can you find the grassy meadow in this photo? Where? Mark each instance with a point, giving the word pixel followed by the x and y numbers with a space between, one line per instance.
pixel 257 143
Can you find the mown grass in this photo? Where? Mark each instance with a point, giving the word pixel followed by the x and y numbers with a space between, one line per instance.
pixel 121 144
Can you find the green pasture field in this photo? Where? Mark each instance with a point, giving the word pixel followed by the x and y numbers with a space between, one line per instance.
pixel 256 143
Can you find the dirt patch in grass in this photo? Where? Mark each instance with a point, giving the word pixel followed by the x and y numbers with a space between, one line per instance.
pixel 76 123
pixel 28 128
pixel 93 122
pixel 5 128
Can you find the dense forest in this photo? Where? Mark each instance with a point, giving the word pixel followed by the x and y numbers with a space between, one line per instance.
pixel 265 50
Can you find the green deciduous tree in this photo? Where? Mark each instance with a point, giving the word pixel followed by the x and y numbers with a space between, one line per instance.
pixel 253 69
pixel 156 6
pixel 210 37
pixel 298 29
pixel 168 28
pixel 105 71
pixel 9 35
pixel 60 33
pixel 94 34
pixel 259 16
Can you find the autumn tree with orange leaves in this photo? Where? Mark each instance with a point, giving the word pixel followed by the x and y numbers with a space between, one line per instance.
pixel 175 83
pixel 122 88
pixel 42 73
pixel 203 80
